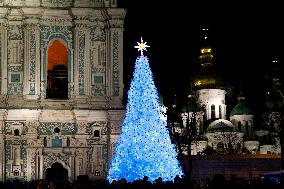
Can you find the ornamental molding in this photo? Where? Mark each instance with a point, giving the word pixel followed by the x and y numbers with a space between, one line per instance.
pixel 55 21
pixel 47 128
pixel 95 125
pixel 32 12
pixel 56 3
pixel 15 14
pixel 32 127
pixel 79 143
pixel 116 17
pixel 31 24
pixel 81 127
pixel 52 157
pixel 61 13
pixel 56 17
pixel 98 31
pixel 116 23
pixel 82 24
pixel 59 32
pixel 81 153
pixel 3 11
pixel 97 15
pixel 95 3
pixel 89 14
pixel 82 13
pixel 3 23
pixel 116 13
pixel 33 143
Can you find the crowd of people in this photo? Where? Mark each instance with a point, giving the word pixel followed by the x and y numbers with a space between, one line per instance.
pixel 218 182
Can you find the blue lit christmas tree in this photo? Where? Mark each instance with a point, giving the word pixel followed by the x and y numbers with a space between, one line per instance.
pixel 144 147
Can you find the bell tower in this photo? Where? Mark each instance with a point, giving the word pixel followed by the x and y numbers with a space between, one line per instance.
pixel 207 83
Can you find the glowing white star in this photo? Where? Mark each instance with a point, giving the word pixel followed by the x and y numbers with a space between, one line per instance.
pixel 141 46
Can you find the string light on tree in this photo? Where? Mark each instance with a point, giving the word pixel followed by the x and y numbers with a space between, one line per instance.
pixel 144 147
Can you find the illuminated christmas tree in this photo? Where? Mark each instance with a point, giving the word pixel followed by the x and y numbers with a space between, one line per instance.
pixel 144 147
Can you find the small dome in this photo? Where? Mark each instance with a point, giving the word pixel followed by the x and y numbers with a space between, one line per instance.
pixel 220 125
pixel 241 109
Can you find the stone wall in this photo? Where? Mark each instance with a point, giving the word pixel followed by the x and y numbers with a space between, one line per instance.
pixel 81 140
pixel 80 130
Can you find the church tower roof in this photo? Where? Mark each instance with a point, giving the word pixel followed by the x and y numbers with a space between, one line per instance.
pixel 207 77
pixel 274 96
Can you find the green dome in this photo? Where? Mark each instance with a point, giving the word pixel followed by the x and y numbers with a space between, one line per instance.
pixel 241 109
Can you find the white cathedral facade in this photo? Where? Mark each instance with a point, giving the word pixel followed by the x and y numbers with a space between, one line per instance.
pixel 61 86
pixel 234 134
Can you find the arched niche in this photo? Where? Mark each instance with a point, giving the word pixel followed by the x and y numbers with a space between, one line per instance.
pixel 57 70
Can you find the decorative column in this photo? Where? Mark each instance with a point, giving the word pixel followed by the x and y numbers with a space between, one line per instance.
pixel 2 151
pixel 16 154
pixel 115 54
pixel 72 165
pixel 32 59
pixel 3 114
pixel 29 160
pixel 79 163
pixel 75 166
pixel 82 70
pixel 98 59
pixel 3 56
pixel 40 159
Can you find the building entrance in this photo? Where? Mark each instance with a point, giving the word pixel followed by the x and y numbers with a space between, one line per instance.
pixel 56 175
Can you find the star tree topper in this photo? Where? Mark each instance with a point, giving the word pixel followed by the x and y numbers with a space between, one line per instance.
pixel 141 46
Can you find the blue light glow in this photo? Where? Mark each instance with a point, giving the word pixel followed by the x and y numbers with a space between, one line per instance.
pixel 144 147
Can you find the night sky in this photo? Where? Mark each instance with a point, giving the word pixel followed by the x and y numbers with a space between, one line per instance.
pixel 244 37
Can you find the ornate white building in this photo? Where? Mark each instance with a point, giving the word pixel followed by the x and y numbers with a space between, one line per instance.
pixel 61 82
pixel 206 109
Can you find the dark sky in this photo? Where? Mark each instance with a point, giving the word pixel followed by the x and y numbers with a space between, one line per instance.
pixel 244 37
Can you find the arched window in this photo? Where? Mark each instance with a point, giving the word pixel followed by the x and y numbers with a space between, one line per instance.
pixel 213 111
pixel 97 173
pixel 220 111
pixel 57 71
pixel 96 133
pixel 247 128
pixel 239 126
pixel 56 130
pixel 16 173
pixel 44 142
pixel 16 132
pixel 68 141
